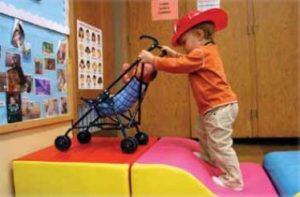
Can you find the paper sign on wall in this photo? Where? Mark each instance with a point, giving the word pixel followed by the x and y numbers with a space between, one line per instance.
pixel 164 9
pixel 203 5
pixel 90 59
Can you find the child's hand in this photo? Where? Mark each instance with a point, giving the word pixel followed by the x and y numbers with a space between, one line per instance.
pixel 146 57
pixel 170 52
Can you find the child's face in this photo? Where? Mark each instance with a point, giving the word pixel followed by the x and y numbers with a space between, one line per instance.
pixel 17 35
pixel 191 39
pixel 12 100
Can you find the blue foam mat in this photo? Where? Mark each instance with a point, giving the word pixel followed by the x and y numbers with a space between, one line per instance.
pixel 284 170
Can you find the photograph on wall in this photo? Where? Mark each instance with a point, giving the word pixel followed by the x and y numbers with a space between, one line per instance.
pixel 90 60
pixel 15 75
pixel 13 106
pixel 2 103
pixel 49 63
pixel 62 52
pixel 30 109
pixel 26 53
pixel 63 105
pixel 42 87
pixel 51 107
pixel 3 82
pixel 47 48
pixel 27 87
pixel 14 80
pixel 38 65
pixel 18 34
pixel 12 59
pixel 61 80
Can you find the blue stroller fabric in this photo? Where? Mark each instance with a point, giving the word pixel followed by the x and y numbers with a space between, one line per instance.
pixel 123 100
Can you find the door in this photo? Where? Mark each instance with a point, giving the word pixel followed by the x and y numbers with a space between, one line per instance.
pixel 165 109
pixel 277 60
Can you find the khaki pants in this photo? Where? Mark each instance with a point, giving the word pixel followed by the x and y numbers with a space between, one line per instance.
pixel 214 135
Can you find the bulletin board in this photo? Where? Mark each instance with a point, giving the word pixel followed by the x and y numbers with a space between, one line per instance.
pixel 33 62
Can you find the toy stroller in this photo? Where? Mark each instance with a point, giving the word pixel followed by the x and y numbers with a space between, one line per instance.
pixel 116 109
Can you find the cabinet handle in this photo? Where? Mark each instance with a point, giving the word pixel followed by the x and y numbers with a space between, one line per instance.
pixel 253 114
pixel 250 29
pixel 253 29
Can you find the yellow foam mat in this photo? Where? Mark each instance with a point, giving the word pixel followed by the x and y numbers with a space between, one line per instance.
pixel 155 180
pixel 33 178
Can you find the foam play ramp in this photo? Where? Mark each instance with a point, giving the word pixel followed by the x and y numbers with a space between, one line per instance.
pixel 169 168
pixel 95 169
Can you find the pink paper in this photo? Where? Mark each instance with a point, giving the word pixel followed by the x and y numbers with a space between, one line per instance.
pixel 164 9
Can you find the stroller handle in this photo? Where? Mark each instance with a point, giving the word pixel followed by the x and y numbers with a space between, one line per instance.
pixel 155 43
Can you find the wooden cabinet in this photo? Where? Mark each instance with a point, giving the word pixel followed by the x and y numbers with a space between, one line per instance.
pixel 261 58
pixel 276 32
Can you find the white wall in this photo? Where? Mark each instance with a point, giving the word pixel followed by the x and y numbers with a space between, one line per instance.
pixel 16 144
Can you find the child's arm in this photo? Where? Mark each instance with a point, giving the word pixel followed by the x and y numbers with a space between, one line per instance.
pixel 170 52
pixel 181 64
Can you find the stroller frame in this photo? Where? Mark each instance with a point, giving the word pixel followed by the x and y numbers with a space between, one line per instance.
pixel 128 144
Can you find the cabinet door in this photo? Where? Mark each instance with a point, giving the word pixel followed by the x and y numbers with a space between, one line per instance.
pixel 277 58
pixel 165 109
pixel 235 45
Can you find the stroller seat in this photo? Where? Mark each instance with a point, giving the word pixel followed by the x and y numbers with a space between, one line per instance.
pixel 123 100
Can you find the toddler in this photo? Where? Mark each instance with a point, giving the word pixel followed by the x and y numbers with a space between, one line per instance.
pixel 217 103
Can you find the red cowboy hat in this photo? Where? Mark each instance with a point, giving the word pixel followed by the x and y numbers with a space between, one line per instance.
pixel 216 15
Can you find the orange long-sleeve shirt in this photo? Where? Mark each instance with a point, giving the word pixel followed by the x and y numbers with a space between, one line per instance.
pixel 206 75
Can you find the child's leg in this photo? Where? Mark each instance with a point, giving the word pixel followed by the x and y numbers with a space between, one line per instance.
pixel 219 127
pixel 202 136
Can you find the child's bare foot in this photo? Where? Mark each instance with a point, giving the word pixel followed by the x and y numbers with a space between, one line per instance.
pixel 219 181
pixel 198 155
pixel 202 156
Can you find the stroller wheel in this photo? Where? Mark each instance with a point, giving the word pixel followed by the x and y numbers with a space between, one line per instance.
pixel 142 138
pixel 62 142
pixel 129 145
pixel 84 137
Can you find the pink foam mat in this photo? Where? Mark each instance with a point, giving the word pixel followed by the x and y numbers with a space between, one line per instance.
pixel 178 152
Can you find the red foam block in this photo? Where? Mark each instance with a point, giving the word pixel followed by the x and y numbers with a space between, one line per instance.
pixel 100 150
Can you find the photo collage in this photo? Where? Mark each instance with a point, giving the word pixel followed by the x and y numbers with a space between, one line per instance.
pixel 33 72
pixel 90 59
